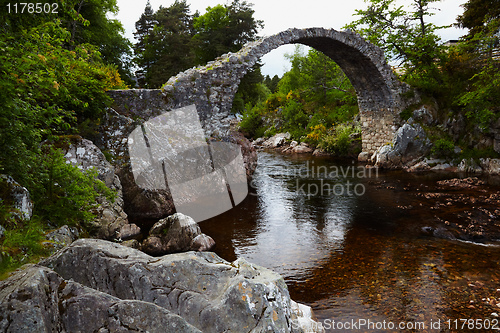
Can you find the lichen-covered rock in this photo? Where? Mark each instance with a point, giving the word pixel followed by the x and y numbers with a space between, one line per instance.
pixel 208 292
pixel 490 165
pixel 410 143
pixel 37 299
pixel 18 197
pixel 61 237
pixel 176 233
pixel 110 216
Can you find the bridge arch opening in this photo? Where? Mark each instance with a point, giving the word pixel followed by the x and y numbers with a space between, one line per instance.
pixel 213 87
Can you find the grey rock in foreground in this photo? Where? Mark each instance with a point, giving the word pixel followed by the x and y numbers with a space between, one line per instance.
pixel 37 299
pixel 176 233
pixel 208 292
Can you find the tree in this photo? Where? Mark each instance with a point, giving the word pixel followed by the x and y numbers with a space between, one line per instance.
pixel 406 37
pixel 143 55
pixel 87 22
pixel 480 48
pixel 477 15
pixel 272 84
pixel 224 29
pixel 165 45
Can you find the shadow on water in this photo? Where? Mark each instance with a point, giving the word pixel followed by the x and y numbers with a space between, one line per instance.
pixel 358 256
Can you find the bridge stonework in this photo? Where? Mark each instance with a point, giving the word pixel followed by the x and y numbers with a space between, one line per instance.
pixel 213 86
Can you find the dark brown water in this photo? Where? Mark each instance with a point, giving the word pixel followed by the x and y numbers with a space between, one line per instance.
pixel 351 246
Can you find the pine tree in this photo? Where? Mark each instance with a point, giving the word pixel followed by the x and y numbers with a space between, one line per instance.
pixel 144 57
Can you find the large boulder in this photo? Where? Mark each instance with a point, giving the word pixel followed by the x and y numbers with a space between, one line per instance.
pixel 37 299
pixel 113 138
pixel 176 233
pixel 110 216
pixel 208 292
pixel 140 203
pixel 410 143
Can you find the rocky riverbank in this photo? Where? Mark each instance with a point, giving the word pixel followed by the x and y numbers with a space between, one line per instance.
pixel 99 286
pixel 409 151
pixel 110 285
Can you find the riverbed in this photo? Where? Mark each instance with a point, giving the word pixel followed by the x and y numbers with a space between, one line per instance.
pixel 362 245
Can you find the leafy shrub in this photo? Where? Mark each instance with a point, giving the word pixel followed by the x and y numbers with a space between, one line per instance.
pixel 338 140
pixel 443 148
pixel 63 194
pixel 295 119
pixel 317 132
pixel 21 245
pixel 252 123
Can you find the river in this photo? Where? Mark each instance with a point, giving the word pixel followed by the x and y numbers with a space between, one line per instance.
pixel 349 243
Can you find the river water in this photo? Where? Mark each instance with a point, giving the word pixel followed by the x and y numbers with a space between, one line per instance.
pixel 349 243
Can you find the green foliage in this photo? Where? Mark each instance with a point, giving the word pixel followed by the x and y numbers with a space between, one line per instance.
pixel 443 148
pixel 312 96
pixel 20 245
pixel 27 238
pixel 64 194
pixel 477 14
pixel 40 70
pixel 338 139
pixel 272 84
pixel 481 100
pixel 252 123
pixel 49 86
pixel 224 29
pixel 477 154
pixel 405 36
pixel 85 22
pixel 251 90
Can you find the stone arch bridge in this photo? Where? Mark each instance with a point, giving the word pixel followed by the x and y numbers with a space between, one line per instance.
pixel 212 87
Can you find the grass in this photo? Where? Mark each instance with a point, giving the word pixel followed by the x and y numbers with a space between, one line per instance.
pixel 22 243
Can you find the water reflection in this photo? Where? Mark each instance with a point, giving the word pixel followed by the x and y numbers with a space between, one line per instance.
pixel 358 257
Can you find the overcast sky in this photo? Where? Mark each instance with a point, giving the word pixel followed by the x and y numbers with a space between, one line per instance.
pixel 280 15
